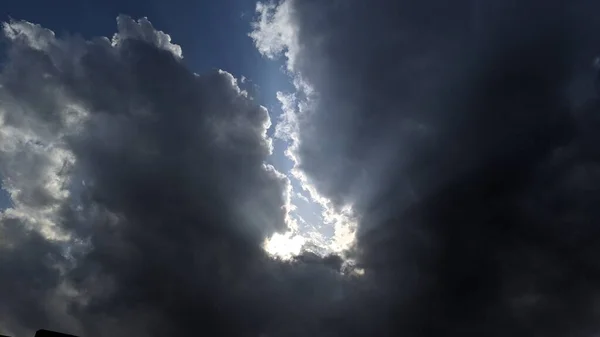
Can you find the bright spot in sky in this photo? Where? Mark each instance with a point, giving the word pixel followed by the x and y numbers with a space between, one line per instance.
pixel 284 245
pixel 326 233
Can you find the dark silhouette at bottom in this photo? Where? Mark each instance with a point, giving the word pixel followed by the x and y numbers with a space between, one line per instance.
pixel 46 333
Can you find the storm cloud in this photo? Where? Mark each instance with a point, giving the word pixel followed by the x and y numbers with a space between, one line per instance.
pixel 461 137
pixel 140 195
pixel 461 134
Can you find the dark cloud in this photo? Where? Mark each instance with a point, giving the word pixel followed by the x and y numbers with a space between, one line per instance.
pixel 28 263
pixel 458 133
pixel 141 196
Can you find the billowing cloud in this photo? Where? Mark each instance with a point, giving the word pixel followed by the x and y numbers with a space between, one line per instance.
pixel 458 143
pixel 140 196
pixel 457 133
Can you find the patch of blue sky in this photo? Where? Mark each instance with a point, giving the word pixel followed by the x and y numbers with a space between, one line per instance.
pixel 5 200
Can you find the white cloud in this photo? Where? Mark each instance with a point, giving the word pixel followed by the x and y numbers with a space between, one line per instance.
pixel 31 34
pixel 274 32
pixel 287 126
pixel 34 164
pixel 302 197
pixel 143 30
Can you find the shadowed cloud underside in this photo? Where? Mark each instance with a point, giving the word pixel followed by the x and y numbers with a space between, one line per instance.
pixel 451 150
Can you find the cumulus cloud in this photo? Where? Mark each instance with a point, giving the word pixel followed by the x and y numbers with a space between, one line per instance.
pixel 456 132
pixel 140 196
pixel 456 143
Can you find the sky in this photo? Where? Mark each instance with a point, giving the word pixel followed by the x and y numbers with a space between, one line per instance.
pixel 300 168
pixel 216 37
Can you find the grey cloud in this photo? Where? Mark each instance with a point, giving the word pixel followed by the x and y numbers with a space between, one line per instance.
pixel 455 131
pixel 27 264
pixel 141 197
pixel 472 173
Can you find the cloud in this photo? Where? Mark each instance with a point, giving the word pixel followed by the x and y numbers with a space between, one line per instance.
pixel 141 200
pixel 141 197
pixel 454 131
pixel 302 197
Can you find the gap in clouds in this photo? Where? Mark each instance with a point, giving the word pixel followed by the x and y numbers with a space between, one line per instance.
pixel 324 227
pixel 315 225
pixel 311 227
pixel 5 201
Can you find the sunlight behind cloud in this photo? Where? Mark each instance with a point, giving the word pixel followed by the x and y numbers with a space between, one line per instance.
pixel 330 228
pixel 284 245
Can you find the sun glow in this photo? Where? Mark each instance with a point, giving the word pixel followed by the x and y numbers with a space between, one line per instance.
pixel 284 245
